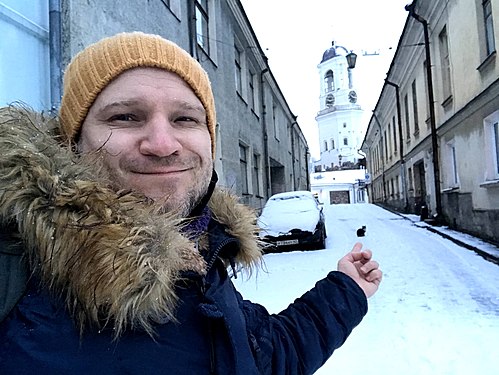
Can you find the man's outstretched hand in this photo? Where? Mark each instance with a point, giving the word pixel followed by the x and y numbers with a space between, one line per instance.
pixel 358 264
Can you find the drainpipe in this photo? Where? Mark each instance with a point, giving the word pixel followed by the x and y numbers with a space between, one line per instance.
pixel 434 139
pixel 293 150
pixel 382 156
pixel 401 145
pixel 265 132
pixel 307 157
pixel 55 54
pixel 191 25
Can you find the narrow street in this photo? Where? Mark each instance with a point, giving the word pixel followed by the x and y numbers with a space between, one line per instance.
pixel 437 311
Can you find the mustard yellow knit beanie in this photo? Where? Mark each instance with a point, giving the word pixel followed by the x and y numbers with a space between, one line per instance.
pixel 92 69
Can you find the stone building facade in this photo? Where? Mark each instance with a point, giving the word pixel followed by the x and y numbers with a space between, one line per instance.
pixel 433 139
pixel 261 149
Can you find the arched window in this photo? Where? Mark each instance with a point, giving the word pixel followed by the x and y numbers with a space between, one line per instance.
pixel 329 80
pixel 345 141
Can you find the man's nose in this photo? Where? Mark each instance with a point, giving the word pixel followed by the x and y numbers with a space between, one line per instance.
pixel 160 137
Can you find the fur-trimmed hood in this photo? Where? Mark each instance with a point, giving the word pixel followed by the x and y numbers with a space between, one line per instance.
pixel 109 254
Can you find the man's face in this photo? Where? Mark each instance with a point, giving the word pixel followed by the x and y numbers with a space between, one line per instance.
pixel 152 131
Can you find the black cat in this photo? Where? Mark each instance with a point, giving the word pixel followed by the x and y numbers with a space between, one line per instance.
pixel 361 232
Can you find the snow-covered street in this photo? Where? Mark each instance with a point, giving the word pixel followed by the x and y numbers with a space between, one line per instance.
pixel 437 310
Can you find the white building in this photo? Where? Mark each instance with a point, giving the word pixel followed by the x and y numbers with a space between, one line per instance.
pixel 345 186
pixel 340 117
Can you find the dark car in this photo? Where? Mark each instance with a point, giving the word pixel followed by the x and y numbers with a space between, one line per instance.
pixel 292 220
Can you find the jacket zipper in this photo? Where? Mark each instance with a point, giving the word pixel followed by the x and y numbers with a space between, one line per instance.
pixel 209 265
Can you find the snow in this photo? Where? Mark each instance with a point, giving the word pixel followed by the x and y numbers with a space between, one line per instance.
pixel 437 310
pixel 300 205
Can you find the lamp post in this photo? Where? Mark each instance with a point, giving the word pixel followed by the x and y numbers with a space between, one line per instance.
pixel 434 139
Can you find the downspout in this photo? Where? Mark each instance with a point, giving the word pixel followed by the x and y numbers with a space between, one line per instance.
pixel 265 133
pixel 191 25
pixel 307 157
pixel 434 139
pixel 382 156
pixel 401 145
pixel 55 54
pixel 293 150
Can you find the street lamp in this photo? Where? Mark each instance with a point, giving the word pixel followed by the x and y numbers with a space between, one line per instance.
pixel 351 59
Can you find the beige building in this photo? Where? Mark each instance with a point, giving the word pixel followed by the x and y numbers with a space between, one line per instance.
pixel 261 149
pixel 433 138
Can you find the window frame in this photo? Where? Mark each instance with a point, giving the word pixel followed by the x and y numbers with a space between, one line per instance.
pixel 415 107
pixel 407 118
pixel 488 24
pixel 202 28
pixel 256 180
pixel 491 147
pixel 445 68
pixel 451 166
pixel 329 81
pixel 238 57
pixel 243 164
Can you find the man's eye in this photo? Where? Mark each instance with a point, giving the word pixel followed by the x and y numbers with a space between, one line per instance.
pixel 123 117
pixel 186 119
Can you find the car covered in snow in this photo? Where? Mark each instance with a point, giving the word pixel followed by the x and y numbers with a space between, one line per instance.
pixel 292 220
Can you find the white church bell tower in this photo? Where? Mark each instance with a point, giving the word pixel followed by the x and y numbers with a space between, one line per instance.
pixel 340 116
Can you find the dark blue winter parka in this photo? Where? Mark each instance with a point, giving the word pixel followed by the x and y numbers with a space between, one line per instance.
pixel 115 286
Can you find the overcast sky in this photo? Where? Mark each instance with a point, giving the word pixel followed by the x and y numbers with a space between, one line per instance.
pixel 294 37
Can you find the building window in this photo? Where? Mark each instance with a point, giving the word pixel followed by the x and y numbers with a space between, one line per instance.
pixel 389 138
pixel 415 107
pixel 445 64
pixel 495 137
pixel 243 162
pixel 25 72
pixel 410 184
pixel 490 44
pixel 202 27
pixel 344 125
pixel 256 175
pixel 345 141
pixel 174 6
pixel 426 93
pixel 332 144
pixel 252 92
pixel 325 145
pixel 451 165
pixel 275 120
pixel 238 72
pixel 386 145
pixel 407 124
pixel 329 81
pixel 394 135
pixel 491 137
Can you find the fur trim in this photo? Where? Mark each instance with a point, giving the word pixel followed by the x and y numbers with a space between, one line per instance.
pixel 111 255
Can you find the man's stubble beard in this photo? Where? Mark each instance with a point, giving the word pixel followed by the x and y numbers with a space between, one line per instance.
pixel 171 202
pixel 193 196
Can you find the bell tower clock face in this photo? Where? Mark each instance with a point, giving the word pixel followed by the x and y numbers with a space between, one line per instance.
pixel 329 100
pixel 352 96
